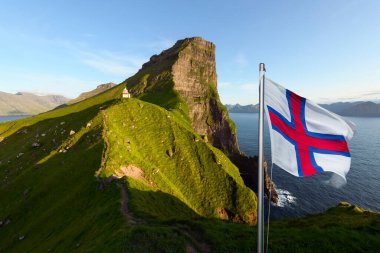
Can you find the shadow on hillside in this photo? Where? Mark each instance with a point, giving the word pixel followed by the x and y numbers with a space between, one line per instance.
pixel 248 168
pixel 157 205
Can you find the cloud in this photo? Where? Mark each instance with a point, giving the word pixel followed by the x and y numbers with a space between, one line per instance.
pixel 106 61
pixel 242 93
pixel 224 85
pixel 119 63
pixel 373 95
pixel 248 87
pixel 112 63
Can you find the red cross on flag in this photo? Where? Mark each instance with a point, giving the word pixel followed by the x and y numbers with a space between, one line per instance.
pixel 306 139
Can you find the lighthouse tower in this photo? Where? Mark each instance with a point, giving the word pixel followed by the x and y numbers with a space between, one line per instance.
pixel 126 94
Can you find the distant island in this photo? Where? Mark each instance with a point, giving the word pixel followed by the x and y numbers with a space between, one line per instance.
pixel 25 103
pixel 354 109
pixel 243 108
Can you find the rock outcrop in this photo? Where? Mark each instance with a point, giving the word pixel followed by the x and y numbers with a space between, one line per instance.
pixel 190 66
pixel 194 76
pixel 188 70
pixel 99 89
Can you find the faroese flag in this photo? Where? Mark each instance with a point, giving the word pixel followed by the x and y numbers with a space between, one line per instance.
pixel 305 138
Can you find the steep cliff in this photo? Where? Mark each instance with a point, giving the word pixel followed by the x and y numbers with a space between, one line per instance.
pixel 183 79
pixel 189 68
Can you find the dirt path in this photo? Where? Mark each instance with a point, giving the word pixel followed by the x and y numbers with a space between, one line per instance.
pixel 131 218
pixel 194 243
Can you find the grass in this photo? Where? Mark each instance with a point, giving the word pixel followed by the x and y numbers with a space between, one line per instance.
pixel 175 160
pixel 55 202
pixel 43 200
pixel 339 229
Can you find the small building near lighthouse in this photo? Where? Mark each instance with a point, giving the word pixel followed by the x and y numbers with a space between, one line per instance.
pixel 126 94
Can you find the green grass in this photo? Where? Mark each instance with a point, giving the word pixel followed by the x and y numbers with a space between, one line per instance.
pixel 55 202
pixel 345 228
pixel 53 198
pixel 95 103
pixel 175 160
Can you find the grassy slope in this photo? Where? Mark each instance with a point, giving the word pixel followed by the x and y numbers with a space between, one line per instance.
pixel 176 160
pixel 44 190
pixel 54 200
pixel 345 228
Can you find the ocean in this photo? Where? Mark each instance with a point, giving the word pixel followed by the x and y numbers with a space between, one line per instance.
pixel 9 118
pixel 311 195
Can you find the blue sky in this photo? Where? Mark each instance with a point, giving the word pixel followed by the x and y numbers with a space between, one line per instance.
pixel 325 50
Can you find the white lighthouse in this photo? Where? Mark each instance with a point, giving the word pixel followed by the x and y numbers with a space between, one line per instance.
pixel 126 94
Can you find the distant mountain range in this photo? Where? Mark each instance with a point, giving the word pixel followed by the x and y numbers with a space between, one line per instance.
pixel 24 103
pixel 355 109
pixel 365 109
pixel 243 108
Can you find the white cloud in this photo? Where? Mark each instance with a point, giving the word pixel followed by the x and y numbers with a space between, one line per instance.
pixel 113 63
pixel 224 85
pixel 248 87
pixel 243 93
pixel 373 95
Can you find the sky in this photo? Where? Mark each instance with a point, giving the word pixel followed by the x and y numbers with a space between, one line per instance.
pixel 327 51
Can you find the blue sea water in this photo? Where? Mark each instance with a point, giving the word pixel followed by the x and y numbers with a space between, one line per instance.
pixel 9 118
pixel 310 195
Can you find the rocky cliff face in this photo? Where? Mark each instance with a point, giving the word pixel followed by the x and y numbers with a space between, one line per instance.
pixel 188 70
pixel 190 67
pixel 194 76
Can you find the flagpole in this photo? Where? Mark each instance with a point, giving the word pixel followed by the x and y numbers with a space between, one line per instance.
pixel 260 180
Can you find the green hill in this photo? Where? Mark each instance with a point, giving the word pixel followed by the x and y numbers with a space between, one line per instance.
pixel 146 174
pixel 65 173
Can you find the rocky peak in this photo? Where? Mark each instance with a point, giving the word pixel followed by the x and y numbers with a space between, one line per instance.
pixel 189 69
pixel 190 65
pixel 195 78
pixel 105 86
pixel 99 89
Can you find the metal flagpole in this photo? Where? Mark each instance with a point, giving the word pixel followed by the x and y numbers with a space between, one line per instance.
pixel 260 180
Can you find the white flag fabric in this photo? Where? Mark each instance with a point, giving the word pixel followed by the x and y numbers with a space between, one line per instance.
pixel 306 139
